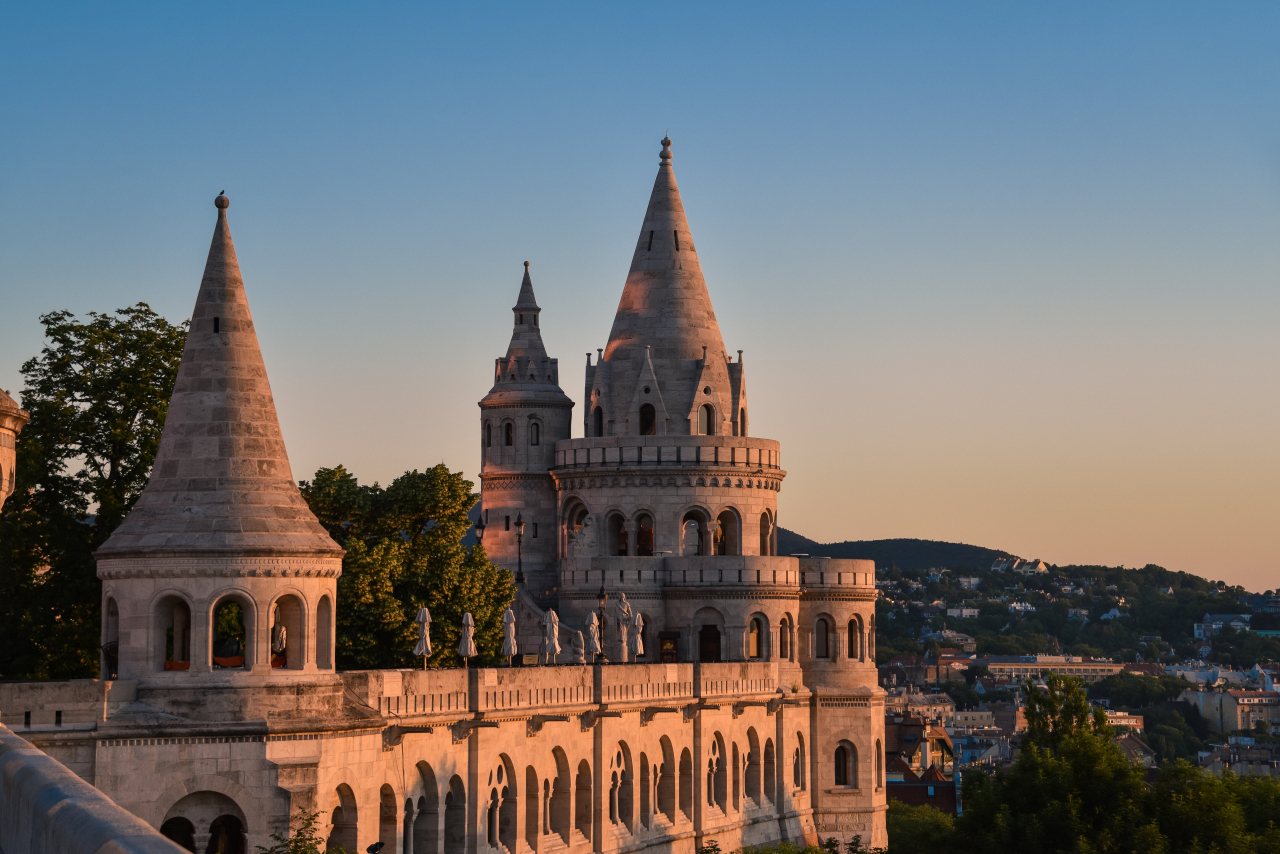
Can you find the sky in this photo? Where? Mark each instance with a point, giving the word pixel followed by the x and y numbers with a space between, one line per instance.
pixel 1004 274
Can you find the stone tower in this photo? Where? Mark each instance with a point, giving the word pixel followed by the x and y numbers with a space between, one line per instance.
pixel 521 419
pixel 219 587
pixel 12 419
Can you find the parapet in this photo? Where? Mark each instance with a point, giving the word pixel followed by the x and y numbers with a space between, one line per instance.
pixel 49 810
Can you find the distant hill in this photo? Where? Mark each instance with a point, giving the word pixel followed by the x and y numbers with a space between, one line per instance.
pixel 906 554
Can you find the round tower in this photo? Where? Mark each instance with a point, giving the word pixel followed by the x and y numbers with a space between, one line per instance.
pixel 219 588
pixel 12 419
pixel 521 419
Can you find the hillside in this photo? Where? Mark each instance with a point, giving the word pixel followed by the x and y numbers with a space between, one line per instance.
pixel 906 554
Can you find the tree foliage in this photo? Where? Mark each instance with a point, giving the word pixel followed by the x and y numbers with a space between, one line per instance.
pixel 404 550
pixel 98 393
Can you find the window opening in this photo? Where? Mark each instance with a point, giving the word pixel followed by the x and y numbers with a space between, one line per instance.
pixel 598 419
pixel 216 323
pixel 535 530
pixel 509 436
pixel 506 523
pixel 488 435
pixel 648 420
pixel 676 235
pixel 534 432
pixel 650 249
pixel 706 421
pixel 229 636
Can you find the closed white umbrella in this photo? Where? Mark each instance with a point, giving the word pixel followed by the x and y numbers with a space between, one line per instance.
pixel 593 636
pixel 553 636
pixel 637 637
pixel 509 635
pixel 424 635
pixel 467 646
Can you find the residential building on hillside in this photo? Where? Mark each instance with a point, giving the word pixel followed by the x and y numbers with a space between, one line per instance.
pixel 1019 667
pixel 1212 624
pixel 1020 566
pixel 1125 719
pixel 937 708
pixel 1230 709
pixel 1244 760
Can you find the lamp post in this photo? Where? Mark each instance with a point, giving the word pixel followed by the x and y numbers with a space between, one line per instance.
pixel 480 526
pixel 602 597
pixel 519 548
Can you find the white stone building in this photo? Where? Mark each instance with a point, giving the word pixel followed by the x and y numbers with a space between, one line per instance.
pixel 220 713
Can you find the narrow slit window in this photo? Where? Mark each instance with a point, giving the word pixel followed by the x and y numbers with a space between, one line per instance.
pixel 506 523
pixel 650 249
pixel 535 530
pixel 216 323
pixel 676 235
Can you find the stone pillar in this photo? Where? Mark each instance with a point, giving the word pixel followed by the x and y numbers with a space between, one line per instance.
pixel 737 649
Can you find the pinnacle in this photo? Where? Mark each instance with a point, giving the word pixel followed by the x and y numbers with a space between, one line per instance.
pixel 221 481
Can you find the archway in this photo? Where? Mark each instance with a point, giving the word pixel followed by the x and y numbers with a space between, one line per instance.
pixel 686 784
pixel 770 770
pixel 693 533
pixel 232 634
pixel 617 527
pixel 728 539
pixel 387 817
pixel 288 638
pixel 667 781
pixel 226 836
pixel 426 824
pixel 753 766
pixel 706 420
pixel 644 535
pixel 582 799
pixel 766 533
pixel 455 815
pixel 111 640
pixel 216 823
pixel 561 795
pixel 708 624
pixel 173 634
pixel 181 831
pixel 648 420
pixel 344 821
pixel 324 634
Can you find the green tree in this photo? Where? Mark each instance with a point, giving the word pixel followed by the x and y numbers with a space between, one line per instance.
pixel 305 839
pixel 98 393
pixel 404 550
pixel 914 829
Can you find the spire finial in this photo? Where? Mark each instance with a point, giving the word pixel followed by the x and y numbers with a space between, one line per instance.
pixel 665 156
pixel 526 265
pixel 221 201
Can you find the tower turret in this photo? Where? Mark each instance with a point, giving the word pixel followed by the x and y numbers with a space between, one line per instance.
pixel 12 419
pixel 219 587
pixel 521 418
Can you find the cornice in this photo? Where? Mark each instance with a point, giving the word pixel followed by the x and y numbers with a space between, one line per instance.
pixel 219 567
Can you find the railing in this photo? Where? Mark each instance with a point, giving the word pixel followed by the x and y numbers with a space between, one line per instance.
pixel 639 573
pixel 744 452
pixel 47 809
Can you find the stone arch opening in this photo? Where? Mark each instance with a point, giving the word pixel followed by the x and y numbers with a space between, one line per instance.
pixel 753 766
pixel 561 796
pixel 644 535
pixel 770 771
pixel 646 799
pixel 766 534
pixel 491 818
pixel 111 640
pixel 226 836
pixel 508 804
pixel 387 816
pixel 845 764
pixel 616 526
pixel 345 820
pixel 535 433
pixel 426 824
pixel 857 648
pixel 717 774
pixel 324 633
pixel 577 536
pixel 728 533
pixel 667 781
pixel 455 815
pixel 288 633
pixel 742 421
pixel 695 533
pixel 708 627
pixel 879 765
pixel 582 799
pixel 648 420
pixel 822 638
pixel 406 831
pixel 798 764
pixel 706 420
pixel 488 435
pixel 532 824
pixel 626 787
pixel 508 434
pixel 180 831
pixel 597 422
pixel 786 645
pixel 757 637
pixel 172 633
pixel 686 784
pixel 232 633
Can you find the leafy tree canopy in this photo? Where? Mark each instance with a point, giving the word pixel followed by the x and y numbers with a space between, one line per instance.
pixel 404 550
pixel 98 393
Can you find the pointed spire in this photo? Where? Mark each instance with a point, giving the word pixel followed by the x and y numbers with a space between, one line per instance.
pixel 526 337
pixel 526 300
pixel 664 303
pixel 221 481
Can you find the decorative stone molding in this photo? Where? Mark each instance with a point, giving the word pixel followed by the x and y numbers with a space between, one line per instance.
pixel 220 567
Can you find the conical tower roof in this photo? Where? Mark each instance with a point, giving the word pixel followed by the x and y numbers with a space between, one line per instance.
pixel 526 336
pixel 665 304
pixel 526 375
pixel 221 482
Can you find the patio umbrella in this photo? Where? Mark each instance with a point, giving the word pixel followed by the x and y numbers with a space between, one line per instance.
pixel 637 636
pixel 467 646
pixel 553 636
pixel 593 635
pixel 424 635
pixel 509 635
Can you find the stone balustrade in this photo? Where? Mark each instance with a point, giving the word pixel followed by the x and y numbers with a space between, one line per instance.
pixel 47 809
pixel 627 574
pixel 742 452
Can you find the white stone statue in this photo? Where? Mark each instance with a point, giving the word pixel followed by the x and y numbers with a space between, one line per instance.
pixel 508 634
pixel 623 620
pixel 551 643
pixel 593 637
pixel 278 638
pixel 637 636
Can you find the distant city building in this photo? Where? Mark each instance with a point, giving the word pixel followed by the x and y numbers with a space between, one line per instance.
pixel 1020 566
pixel 962 613
pixel 1230 709
pixel 1213 624
pixel 968 583
pixel 1133 722
pixel 1019 667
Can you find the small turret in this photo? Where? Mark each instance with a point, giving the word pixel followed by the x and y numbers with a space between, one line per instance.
pixel 12 419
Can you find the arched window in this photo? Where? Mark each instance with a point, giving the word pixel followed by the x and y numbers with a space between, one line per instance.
pixel 508 434
pixel 534 433
pixel 111 641
pixel 706 420
pixel 229 638
pixel 173 634
pixel 846 765
pixel 742 421
pixel 488 435
pixel 644 535
pixel 288 638
pixel 766 531
pixel 770 777
pixel 727 541
pixel 784 639
pixel 648 420
pixel 822 639
pixel 617 535
pixel 800 761
pixel 879 766
pixel 324 634
pixel 597 421
pixel 754 647
pixel 855 639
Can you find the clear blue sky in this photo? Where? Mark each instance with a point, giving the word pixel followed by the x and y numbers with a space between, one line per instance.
pixel 1004 274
